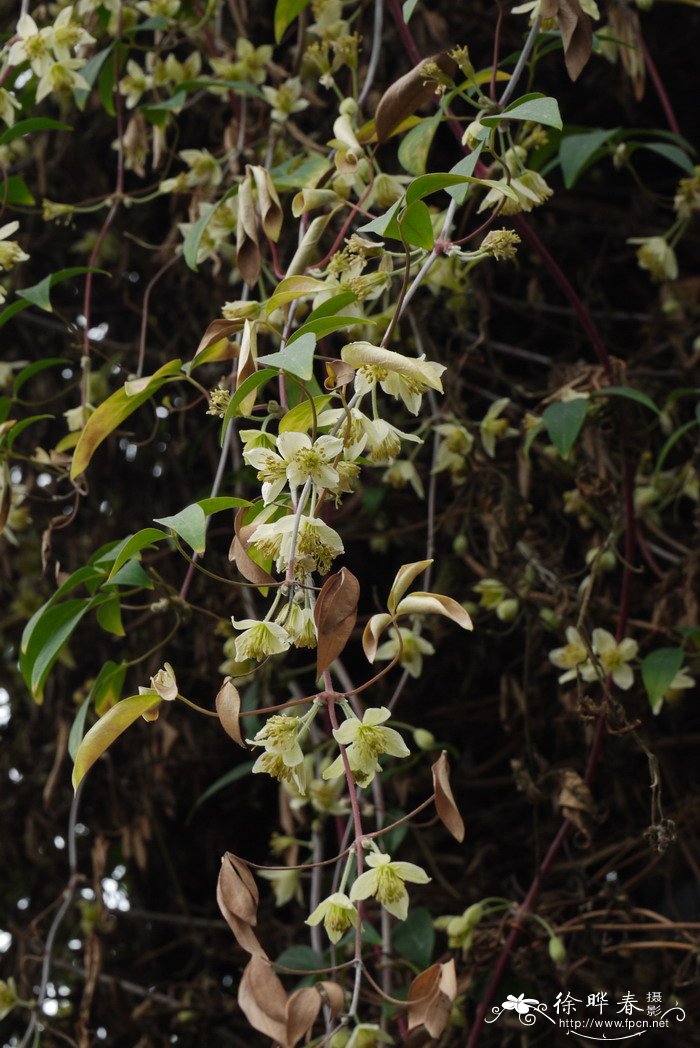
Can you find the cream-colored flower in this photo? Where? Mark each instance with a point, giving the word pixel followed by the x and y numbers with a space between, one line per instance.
pixel 680 683
pixel 456 443
pixel 317 544
pixel 412 647
pixel 493 428
pixel 8 105
pixel 285 99
pixel 164 683
pixel 530 190
pixel 384 440
pixel 204 169
pixel 282 757
pixel 260 639
pixel 62 78
pixel 613 657
pixel 400 474
pixel 10 251
pixel 491 593
pixel 32 45
pixel 385 880
pixel 572 656
pixel 460 929
pixel 337 913
pixel 299 460
pixel 68 35
pixel 657 256
pixel 286 884
pixel 299 624
pixel 403 377
pixel 365 741
pixel 502 244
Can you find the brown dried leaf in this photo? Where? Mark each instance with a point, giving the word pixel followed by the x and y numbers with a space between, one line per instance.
pixel 430 998
pixel 262 1000
pixel 407 94
pixel 624 25
pixel 302 1011
pixel 444 800
pixel 333 995
pixel 576 32
pixel 238 553
pixel 236 891
pixel 335 615
pixel 217 330
pixel 576 802
pixel 248 257
pixel 228 706
pixel 268 202
pixel 338 374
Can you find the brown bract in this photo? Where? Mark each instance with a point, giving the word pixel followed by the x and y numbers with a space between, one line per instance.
pixel 228 706
pixel 444 799
pixel 431 996
pixel 576 32
pixel 335 615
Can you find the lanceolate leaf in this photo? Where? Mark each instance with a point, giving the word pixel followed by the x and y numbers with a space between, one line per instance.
pixel 133 544
pixel 579 151
pixel 630 394
pixel 285 13
pixel 113 411
pixel 108 728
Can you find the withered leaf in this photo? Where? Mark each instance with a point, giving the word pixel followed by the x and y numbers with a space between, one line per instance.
pixel 228 706
pixel 333 995
pixel 624 26
pixel 444 800
pixel 407 94
pixel 335 615
pixel 248 257
pixel 338 374
pixel 576 801
pixel 576 32
pixel 239 554
pixel 268 203
pixel 237 896
pixel 217 330
pixel 302 1011
pixel 262 1000
pixel 431 996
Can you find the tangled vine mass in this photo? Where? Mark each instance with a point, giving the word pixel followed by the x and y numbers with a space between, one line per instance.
pixel 348 521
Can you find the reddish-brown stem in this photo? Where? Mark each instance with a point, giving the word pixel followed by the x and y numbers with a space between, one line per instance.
pixel 655 79
pixel 496 52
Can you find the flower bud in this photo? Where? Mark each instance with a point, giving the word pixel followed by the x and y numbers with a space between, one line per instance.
pixel 460 544
pixel 557 950
pixel 508 609
pixel 424 740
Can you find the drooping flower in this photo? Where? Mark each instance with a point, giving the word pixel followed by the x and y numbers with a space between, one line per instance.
pixel 299 624
pixel 456 442
pixel 385 880
pixel 614 658
pixel 337 913
pixel 530 191
pixel 491 593
pixel 657 256
pixel 10 251
pixel 260 639
pixel 62 78
pixel 8 105
pixel 412 648
pixel 317 544
pixel 571 656
pixel 400 474
pixel 384 440
pixel 680 683
pixel 165 683
pixel 285 99
pixel 365 741
pixel 493 428
pixel 286 884
pixel 299 460
pixel 403 377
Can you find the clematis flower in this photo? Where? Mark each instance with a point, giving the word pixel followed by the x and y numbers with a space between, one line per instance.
pixel 164 683
pixel 384 440
pixel 412 647
pixel 399 376
pixel 285 99
pixel 32 45
pixel 10 251
pixel 680 683
pixel 299 624
pixel 337 913
pixel 491 593
pixel 614 658
pixel 385 880
pixel 400 474
pixel 316 547
pixel 365 741
pixel 298 461
pixel 260 639
pixel 62 78
pixel 8 105
pixel 571 656
pixel 286 884
pixel 530 189
pixel 494 428
pixel 656 256
pixel 67 35
pixel 456 442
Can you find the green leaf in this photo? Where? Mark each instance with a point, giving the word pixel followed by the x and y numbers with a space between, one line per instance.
pixel 415 146
pixel 465 166
pixel 384 225
pixel 292 288
pixel 672 153
pixel 330 307
pixel 536 107
pixel 194 236
pixel 577 152
pixel 630 394
pixel 169 105
pixel 130 574
pixel 301 958
pixel 301 418
pixel 658 670
pixel 285 13
pixel 52 632
pixel 105 84
pixel 88 573
pixel 297 359
pixel 254 381
pixel 28 127
pixel 414 939
pixel 190 524
pixel 416 226
pixel 564 421
pixel 107 729
pixel 9 438
pixel 106 690
pixel 109 617
pixel 115 409
pixel 323 326
pixel 220 503
pixel 33 369
pixel 90 72
pixel 530 438
pixel 78 727
pixel 407 9
pixel 133 545
pixel 38 294
pixel 14 190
